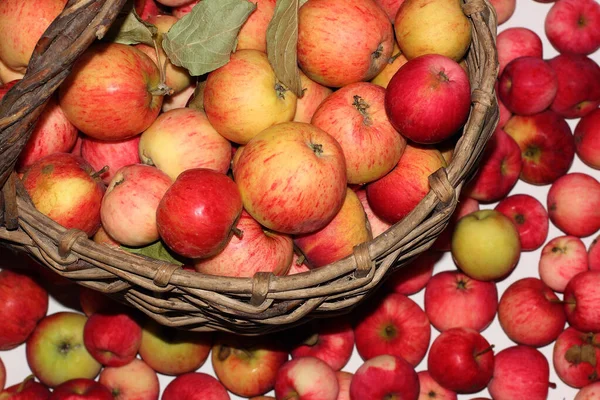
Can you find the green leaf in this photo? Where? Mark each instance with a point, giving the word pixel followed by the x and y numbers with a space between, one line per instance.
pixel 282 41
pixel 203 40
pixel 156 250
pixel 129 28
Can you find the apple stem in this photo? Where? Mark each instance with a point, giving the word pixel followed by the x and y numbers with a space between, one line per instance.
pixel 486 350
pixel 291 396
pixel 162 67
pixel 238 232
pixel 394 57
pixel 311 340
pixel 559 301
pixel 98 173
pixel 300 259
pixel 552 385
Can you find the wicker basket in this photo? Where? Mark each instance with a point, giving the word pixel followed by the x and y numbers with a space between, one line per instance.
pixel 189 300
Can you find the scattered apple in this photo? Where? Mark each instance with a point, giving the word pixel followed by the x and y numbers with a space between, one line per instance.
pixel 344 381
pixel 546 143
pixel 135 380
pixel 594 255
pixel 195 386
pixel 504 9
pixel 113 339
pixel 393 325
pixel 453 300
pixel 486 245
pixel 430 389
pixel 56 352
pixel 589 392
pixel 306 378
pixel 530 313
pixel 572 26
pixel 81 389
pixel 29 389
pixel 461 360
pixel 413 277
pixel 562 258
pixel 385 377
pixel 466 205
pixel 23 303
pixel 516 42
pixel 582 301
pixel 529 216
pixel 587 139
pixel 574 204
pixel 575 356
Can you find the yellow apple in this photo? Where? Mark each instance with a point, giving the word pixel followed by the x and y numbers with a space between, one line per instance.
pixel 432 27
pixel 394 63
pixel 486 245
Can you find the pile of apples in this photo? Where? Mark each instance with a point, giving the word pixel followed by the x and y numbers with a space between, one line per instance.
pixel 235 174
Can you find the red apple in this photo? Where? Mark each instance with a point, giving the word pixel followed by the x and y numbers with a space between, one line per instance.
pixel 180 11
pixel 528 85
pixel 461 360
pixel 110 93
pixel 195 386
pixel 24 302
pixel 582 301
pixel 454 300
pixel 306 378
pixel 378 226
pixel 530 313
pixel 499 169
pixel 575 356
pixel 21 27
pixel 354 115
pixel 572 26
pixel 413 277
pixel 29 389
pixel 113 339
pixel 430 389
pixel 129 205
pixel 385 377
pixel 352 44
pixel 81 389
pixel 135 380
pixel 183 139
pixel 575 98
pixel 312 96
pixel 395 195
pixel 63 187
pixel 257 250
pixel 243 97
pixel 505 113
pixel 331 341
pixel 587 139
pixel 504 9
pixel 589 392
pixel 530 218
pixel 197 213
pixel 393 325
pixel 338 238
pixel 419 90
pixel 574 204
pixel 547 146
pixel 172 351
pixel 247 366
pixel 292 178
pixel 562 258
pixel 344 381
pixel 253 34
pixel 111 154
pixel 594 255
pixel 146 9
pixel 390 7
pixel 92 301
pixel 466 205
pixel 517 42
pixel 520 372
pixel 56 352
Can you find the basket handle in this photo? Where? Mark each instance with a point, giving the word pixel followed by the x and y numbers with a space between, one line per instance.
pixel 80 23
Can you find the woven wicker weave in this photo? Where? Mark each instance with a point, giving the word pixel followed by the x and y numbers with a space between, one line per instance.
pixel 193 301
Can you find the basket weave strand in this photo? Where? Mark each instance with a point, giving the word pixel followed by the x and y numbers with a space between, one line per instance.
pixel 179 298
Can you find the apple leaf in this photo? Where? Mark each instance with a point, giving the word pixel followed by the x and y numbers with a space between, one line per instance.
pixel 130 29
pixel 202 40
pixel 157 251
pixel 282 41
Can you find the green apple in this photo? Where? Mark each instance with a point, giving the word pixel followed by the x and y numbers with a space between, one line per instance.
pixel 56 352
pixel 486 245
pixel 171 351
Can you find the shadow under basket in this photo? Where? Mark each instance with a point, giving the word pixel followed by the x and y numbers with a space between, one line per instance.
pixel 188 300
